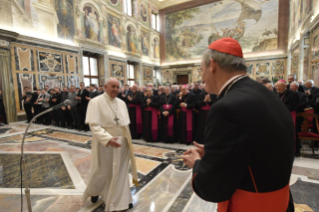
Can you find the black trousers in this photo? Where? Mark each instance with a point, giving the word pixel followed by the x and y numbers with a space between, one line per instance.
pixel 37 109
pixel 28 111
pixel 47 119
pixel 3 114
pixel 82 112
pixel 75 117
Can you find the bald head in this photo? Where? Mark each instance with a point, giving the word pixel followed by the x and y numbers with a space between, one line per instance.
pixel 112 87
pixel 281 87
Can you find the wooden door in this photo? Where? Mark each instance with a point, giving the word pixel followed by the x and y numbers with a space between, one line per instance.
pixel 182 79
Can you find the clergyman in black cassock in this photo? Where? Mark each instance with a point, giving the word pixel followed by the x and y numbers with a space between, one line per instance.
pixel 203 104
pixel 134 100
pixel 187 103
pixel 167 106
pixel 150 118
pixel 246 161
pixel 288 97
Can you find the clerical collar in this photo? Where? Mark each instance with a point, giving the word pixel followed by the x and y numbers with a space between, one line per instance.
pixel 108 97
pixel 228 82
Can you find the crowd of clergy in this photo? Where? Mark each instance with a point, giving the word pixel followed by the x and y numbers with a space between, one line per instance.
pixel 175 113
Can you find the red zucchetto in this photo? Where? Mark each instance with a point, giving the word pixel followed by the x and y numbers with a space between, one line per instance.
pixel 227 46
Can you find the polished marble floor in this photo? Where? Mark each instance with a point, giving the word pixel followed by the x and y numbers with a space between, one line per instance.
pixel 59 161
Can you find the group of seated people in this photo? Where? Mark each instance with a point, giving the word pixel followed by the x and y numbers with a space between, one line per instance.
pixel 297 96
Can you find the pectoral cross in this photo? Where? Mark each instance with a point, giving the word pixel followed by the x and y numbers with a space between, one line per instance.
pixel 117 120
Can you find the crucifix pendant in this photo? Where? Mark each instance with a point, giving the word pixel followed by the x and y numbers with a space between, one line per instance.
pixel 117 120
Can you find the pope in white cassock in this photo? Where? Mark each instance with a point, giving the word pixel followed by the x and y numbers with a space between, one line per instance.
pixel 111 150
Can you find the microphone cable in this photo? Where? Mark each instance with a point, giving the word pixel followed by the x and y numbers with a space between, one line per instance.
pixel 21 184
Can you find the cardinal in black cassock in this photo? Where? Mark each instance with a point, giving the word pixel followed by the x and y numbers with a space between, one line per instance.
pixel 168 116
pixel 150 119
pixel 134 101
pixel 187 103
pixel 246 161
pixel 203 104
pixel 288 97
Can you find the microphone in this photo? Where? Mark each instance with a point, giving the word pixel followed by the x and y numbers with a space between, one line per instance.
pixel 27 189
pixel 67 102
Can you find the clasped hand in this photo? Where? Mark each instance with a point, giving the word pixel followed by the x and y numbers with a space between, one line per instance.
pixel 113 142
pixel 193 154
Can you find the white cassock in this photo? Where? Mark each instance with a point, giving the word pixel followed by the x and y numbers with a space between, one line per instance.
pixel 109 173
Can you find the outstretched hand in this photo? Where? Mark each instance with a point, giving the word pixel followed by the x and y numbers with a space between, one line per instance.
pixel 199 148
pixel 190 158
pixel 113 142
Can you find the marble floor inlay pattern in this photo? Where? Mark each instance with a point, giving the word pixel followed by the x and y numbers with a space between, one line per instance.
pixel 43 171
pixel 68 136
pixel 151 151
pixel 165 182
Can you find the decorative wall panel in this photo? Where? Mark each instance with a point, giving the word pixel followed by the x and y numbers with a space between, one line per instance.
pixel 294 61
pixel 71 64
pixel 45 67
pixel 51 80
pixel 147 75
pixel 50 62
pixel 118 70
pixel 24 60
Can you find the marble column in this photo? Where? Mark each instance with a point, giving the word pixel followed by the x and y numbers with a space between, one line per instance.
pixel 8 88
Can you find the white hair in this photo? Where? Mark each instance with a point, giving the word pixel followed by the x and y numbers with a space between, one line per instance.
pixel 225 61
pixel 296 83
pixel 310 81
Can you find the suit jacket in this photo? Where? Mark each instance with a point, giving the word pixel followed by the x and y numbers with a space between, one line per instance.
pixel 34 97
pixel 247 127
pixel 84 102
pixel 303 102
pixel 313 92
pixel 197 94
pixel 94 94
pixel 290 99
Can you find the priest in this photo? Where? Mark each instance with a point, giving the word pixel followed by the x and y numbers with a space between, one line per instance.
pixel 112 151
pixel 187 103
pixel 167 106
pixel 288 97
pixel 203 104
pixel 134 100
pixel 246 160
pixel 150 118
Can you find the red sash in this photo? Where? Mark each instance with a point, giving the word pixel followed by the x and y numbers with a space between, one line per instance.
pixel 154 122
pixel 138 118
pixel 206 107
pixel 293 115
pixel 245 201
pixel 189 123
pixel 170 125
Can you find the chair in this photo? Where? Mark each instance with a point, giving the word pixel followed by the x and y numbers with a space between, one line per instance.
pixel 310 119
pixel 305 134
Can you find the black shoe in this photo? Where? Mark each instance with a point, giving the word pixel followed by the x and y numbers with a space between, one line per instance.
pixel 86 130
pixel 94 199
pixel 80 129
pixel 130 206
pixel 297 154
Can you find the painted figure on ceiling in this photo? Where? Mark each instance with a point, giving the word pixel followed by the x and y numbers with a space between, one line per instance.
pixel 131 41
pixel 91 24
pixel 156 48
pixel 145 44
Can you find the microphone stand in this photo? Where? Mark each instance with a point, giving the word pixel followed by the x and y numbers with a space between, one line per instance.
pixel 27 190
